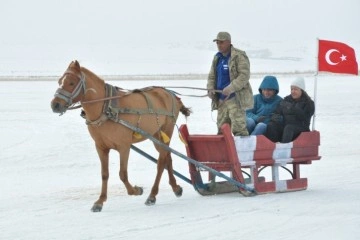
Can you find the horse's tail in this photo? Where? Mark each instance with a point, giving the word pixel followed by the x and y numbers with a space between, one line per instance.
pixel 184 110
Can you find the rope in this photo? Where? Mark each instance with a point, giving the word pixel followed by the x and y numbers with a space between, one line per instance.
pixel 165 87
pixel 74 107
pixel 194 88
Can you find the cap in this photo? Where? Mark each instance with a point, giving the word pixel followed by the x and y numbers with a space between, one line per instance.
pixel 299 82
pixel 222 36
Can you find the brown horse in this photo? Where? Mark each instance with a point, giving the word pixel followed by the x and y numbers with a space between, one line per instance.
pixel 154 110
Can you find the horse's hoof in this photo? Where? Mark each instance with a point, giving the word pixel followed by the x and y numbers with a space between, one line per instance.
pixel 139 190
pixel 179 192
pixel 150 201
pixel 96 207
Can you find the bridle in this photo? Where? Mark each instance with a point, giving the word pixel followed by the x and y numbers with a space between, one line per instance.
pixel 69 97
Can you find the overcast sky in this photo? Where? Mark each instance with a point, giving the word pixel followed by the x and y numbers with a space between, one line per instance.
pixel 164 36
pixel 158 21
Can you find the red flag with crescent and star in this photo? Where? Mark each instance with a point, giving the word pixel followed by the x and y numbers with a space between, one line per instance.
pixel 336 57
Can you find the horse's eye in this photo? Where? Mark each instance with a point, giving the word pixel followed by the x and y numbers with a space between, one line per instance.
pixel 72 84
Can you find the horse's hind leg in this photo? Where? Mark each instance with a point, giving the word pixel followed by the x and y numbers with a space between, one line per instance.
pixel 172 181
pixel 155 189
pixel 104 160
pixel 124 157
pixel 163 161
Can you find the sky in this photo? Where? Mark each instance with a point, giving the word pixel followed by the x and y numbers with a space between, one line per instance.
pixel 153 37
pixel 161 21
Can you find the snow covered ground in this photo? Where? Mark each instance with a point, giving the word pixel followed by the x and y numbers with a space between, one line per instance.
pixel 50 175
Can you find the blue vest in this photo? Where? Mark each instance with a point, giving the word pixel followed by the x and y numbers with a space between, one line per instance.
pixel 223 74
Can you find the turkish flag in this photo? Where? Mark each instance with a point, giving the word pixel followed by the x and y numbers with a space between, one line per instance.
pixel 336 57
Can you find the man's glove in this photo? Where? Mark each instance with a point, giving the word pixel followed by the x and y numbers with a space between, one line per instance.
pixel 211 93
pixel 260 119
pixel 275 117
pixel 228 90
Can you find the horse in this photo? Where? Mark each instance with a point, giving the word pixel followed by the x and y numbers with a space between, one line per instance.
pixel 153 110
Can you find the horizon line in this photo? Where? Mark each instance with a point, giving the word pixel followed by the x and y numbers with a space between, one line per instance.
pixel 124 77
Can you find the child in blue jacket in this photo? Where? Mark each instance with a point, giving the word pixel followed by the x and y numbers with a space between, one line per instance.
pixel 265 104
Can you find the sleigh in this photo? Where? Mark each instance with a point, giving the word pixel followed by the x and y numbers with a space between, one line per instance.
pixel 244 159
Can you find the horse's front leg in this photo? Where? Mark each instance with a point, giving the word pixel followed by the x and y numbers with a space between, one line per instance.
pixel 104 160
pixel 123 173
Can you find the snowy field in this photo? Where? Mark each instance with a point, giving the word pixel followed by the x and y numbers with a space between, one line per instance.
pixel 50 175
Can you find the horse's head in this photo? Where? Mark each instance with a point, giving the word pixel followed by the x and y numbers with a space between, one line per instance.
pixel 71 88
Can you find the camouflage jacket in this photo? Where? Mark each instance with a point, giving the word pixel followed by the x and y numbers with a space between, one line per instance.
pixel 239 67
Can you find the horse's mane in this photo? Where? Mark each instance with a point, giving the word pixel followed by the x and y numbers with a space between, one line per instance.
pixel 91 74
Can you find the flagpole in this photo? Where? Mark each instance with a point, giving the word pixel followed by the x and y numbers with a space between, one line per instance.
pixel 315 100
pixel 315 84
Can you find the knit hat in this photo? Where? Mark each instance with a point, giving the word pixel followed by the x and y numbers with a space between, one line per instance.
pixel 299 82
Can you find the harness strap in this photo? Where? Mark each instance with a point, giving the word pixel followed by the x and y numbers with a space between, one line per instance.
pixel 111 111
pixel 110 91
pixel 116 111
pixel 173 100
pixel 98 122
pixel 149 103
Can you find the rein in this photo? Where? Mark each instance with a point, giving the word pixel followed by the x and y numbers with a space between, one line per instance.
pixel 129 92
pixel 99 100
pixel 96 100
pixel 194 88
pixel 69 97
pixel 205 89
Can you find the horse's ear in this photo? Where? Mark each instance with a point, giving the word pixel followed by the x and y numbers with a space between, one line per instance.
pixel 77 64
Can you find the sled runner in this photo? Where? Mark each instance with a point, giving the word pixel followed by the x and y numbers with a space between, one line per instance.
pixel 245 157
